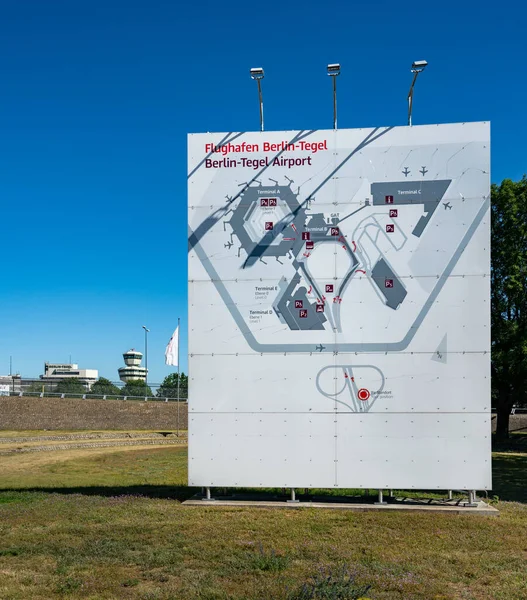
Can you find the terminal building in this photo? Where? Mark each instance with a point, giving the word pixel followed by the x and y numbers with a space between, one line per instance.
pixel 133 370
pixel 55 372
pixel 10 384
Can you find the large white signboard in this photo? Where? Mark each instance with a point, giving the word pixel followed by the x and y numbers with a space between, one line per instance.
pixel 339 317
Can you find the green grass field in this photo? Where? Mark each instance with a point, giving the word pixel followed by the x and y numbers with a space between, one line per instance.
pixel 108 523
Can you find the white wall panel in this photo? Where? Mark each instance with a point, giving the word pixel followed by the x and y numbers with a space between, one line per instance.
pixel 271 450
pixel 443 451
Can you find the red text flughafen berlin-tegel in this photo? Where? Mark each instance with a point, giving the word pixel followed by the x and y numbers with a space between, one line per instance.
pixel 257 163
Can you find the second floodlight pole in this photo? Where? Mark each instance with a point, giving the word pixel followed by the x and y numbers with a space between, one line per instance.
pixel 334 102
pixel 258 75
pixel 146 357
pixel 411 98
pixel 259 81
pixel 417 67
pixel 334 71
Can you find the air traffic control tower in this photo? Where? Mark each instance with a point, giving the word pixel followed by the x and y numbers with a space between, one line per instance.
pixel 133 369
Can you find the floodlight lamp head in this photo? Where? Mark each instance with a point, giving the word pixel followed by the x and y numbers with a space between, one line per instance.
pixel 257 73
pixel 334 69
pixel 418 66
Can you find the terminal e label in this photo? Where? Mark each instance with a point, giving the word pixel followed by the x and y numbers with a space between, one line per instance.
pixel 262 292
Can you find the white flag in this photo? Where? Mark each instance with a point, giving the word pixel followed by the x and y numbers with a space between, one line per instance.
pixel 172 349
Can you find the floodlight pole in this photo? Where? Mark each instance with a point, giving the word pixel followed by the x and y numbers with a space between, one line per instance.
pixel 411 97
pixel 259 82
pixel 417 67
pixel 146 357
pixel 334 102
pixel 258 75
pixel 334 71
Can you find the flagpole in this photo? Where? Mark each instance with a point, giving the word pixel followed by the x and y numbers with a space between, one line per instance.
pixel 178 377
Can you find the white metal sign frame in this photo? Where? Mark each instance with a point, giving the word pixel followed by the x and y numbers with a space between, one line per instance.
pixel 339 315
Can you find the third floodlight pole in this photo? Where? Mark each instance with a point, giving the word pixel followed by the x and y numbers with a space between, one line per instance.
pixel 258 75
pixel 417 67
pixel 334 71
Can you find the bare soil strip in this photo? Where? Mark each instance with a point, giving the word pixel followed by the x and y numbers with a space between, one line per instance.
pixel 108 444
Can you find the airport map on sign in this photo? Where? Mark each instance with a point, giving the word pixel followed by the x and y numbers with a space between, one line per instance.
pixel 322 254
pixel 335 242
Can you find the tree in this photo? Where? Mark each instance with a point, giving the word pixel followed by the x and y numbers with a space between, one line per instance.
pixel 104 387
pixel 169 387
pixel 509 299
pixel 136 387
pixel 71 386
pixel 37 386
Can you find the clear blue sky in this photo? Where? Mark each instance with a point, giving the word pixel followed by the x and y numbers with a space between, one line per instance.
pixel 96 99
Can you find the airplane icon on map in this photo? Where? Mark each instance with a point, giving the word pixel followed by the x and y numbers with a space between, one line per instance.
pixel 447 205
pixel 423 171
pixel 406 172
pixel 228 245
pixel 320 347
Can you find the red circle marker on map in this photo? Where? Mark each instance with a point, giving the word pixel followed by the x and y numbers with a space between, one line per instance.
pixel 363 394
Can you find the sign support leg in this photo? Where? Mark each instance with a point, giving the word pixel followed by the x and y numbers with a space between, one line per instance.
pixel 293 496
pixel 380 499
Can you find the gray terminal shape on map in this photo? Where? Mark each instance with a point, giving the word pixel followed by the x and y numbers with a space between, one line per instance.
pixel 320 233
pixel 267 245
pixel 428 193
pixel 286 311
pixel 393 291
